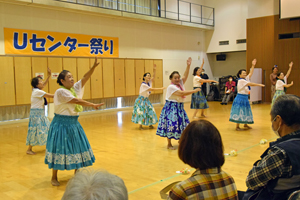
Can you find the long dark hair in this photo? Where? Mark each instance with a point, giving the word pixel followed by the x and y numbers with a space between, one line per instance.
pixel 62 75
pixel 195 71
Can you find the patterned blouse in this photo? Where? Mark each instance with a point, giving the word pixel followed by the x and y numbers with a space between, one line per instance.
pixel 211 184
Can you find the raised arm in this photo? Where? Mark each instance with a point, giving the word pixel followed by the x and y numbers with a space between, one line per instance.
pixel 187 70
pixel 252 68
pixel 290 69
pixel 154 72
pixel 88 75
pixel 202 65
pixel 48 76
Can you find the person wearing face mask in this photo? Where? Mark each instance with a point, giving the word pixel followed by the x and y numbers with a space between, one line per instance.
pixel 67 145
pixel 281 83
pixel 241 112
pixel 229 90
pixel 204 87
pixel 173 118
pixel 143 111
pixel 277 174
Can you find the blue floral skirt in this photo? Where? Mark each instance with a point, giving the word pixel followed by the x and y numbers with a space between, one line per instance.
pixel 143 112
pixel 67 145
pixel 37 128
pixel 172 121
pixel 241 111
pixel 277 94
pixel 198 100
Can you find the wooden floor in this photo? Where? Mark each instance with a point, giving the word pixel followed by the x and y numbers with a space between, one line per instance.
pixel 140 158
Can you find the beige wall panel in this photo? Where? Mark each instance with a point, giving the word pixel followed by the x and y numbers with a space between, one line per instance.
pixel 22 80
pixel 83 66
pixel 119 77
pixel 139 72
pixel 55 64
pixel 129 77
pixel 108 78
pixel 70 64
pixel 39 65
pixel 158 82
pixel 97 80
pixel 7 81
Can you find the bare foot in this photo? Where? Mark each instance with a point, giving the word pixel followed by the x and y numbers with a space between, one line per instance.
pixel 141 128
pixel 195 117
pixel 55 183
pixel 171 147
pixel 203 115
pixel 247 127
pixel 238 129
pixel 30 152
pixel 151 127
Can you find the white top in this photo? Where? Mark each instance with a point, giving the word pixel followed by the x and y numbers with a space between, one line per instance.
pixel 37 98
pixel 144 89
pixel 173 88
pixel 196 82
pixel 241 86
pixel 280 84
pixel 63 96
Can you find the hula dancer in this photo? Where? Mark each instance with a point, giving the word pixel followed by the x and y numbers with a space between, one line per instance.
pixel 143 111
pixel 67 146
pixel 281 83
pixel 173 118
pixel 38 123
pixel 198 99
pixel 241 111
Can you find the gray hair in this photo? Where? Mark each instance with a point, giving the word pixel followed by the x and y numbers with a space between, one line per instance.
pixel 89 184
pixel 288 108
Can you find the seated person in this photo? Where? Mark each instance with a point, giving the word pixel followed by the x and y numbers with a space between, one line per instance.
pixel 229 90
pixel 88 184
pixel 277 174
pixel 201 147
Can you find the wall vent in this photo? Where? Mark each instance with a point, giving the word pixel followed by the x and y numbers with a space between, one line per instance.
pixel 224 42
pixel 241 41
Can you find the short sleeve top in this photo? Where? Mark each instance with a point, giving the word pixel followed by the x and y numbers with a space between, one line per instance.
pixel 196 81
pixel 280 84
pixel 242 87
pixel 63 96
pixel 173 88
pixel 37 98
pixel 144 89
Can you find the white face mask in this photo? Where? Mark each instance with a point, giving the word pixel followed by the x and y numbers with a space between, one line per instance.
pixel 276 132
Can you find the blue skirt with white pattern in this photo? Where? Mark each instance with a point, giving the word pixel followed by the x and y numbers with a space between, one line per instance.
pixel 67 145
pixel 143 112
pixel 241 111
pixel 198 100
pixel 277 94
pixel 37 128
pixel 172 121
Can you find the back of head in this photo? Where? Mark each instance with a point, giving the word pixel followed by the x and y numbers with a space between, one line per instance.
pixel 201 145
pixel 95 185
pixel 195 71
pixel 288 108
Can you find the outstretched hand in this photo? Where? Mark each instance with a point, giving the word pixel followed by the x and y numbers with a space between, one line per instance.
pixel 96 106
pixel 154 66
pixel 49 71
pixel 292 83
pixel 198 89
pixel 254 62
pixel 291 64
pixel 189 61
pixel 95 62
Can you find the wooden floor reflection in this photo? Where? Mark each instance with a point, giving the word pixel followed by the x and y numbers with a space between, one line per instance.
pixel 139 157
